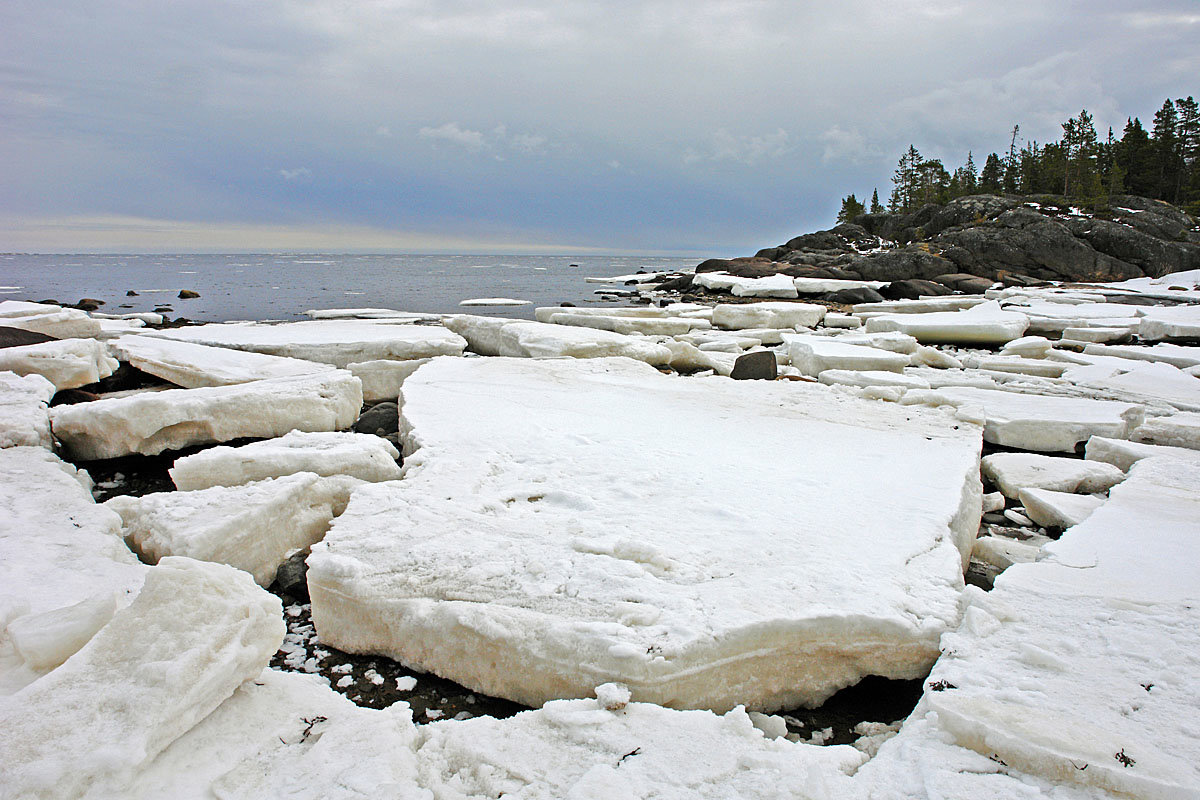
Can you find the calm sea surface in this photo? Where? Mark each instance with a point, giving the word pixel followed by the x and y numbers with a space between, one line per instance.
pixel 241 286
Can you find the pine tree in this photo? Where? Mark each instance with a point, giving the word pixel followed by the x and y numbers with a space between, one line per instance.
pixel 1011 164
pixel 851 209
pixel 876 207
pixel 1165 138
pixel 1135 156
pixel 1188 132
pixel 989 179
pixel 905 180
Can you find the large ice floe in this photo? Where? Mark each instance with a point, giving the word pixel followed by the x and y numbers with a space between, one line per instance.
pixel 67 363
pixel 339 342
pixel 490 336
pixel 357 455
pixel 61 323
pixel 194 366
pixel 981 324
pixel 535 556
pixel 153 422
pixel 193 634
pixel 25 410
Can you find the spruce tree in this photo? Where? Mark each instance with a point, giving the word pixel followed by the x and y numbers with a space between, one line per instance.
pixel 990 177
pixel 1011 164
pixel 876 207
pixel 1166 158
pixel 851 209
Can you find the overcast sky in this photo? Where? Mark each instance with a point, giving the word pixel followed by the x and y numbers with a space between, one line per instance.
pixel 704 126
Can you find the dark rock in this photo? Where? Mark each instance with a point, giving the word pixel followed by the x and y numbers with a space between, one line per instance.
pixel 131 293
pixel 904 264
pixel 913 289
pixel 962 282
pixel 292 577
pixel 380 420
pixel 17 337
pixel 89 304
pixel 856 294
pixel 69 397
pixel 163 310
pixel 566 305
pixel 680 284
pixel 760 365
pixel 640 301
pixel 187 294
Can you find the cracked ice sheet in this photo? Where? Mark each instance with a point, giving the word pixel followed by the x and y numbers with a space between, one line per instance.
pixel 193 366
pixel 727 558
pixel 1081 669
pixel 576 749
pixel 339 342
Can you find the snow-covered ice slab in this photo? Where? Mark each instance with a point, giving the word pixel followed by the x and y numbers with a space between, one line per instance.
pixel 1123 454
pixel 535 556
pixel 253 527
pixel 651 326
pixel 781 286
pixel 1052 509
pixel 157 421
pixel 524 339
pixel 335 341
pixel 1176 322
pixel 925 305
pixel 824 285
pixel 736 316
pixel 194 366
pixel 578 749
pixel 812 355
pixel 495 301
pixel 61 323
pixel 1177 430
pixel 289 735
pixel 1088 657
pixel 1142 380
pixel 24 410
pixel 1022 366
pixel 1176 355
pixel 982 324
pixel 63 566
pixel 191 636
pixel 67 363
pixel 1037 422
pixel 871 378
pixel 1012 472
pixel 389 314
pixel 358 455
pixel 382 379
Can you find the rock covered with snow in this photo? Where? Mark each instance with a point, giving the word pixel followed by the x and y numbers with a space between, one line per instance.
pixel 193 634
pixel 194 366
pixel 67 363
pixel 253 527
pixel 25 410
pixel 153 422
pixel 525 339
pixel 519 555
pixel 331 341
pixel 358 455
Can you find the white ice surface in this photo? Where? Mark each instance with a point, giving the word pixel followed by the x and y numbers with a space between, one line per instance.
pixel 66 363
pixel 24 410
pixel 772 286
pixel 653 326
pixel 495 301
pixel 735 316
pixel 1002 552
pixel 194 366
pixel 187 641
pixel 1035 422
pixel 1052 509
pixel 1028 347
pixel 1177 430
pixel 332 341
pixel 1012 472
pixel 525 339
pixel 871 378
pixel 253 527
pixel 151 423
pixel 358 455
pixel 1176 355
pixel 824 285
pixel 381 380
pixel 61 323
pixel 62 563
pixel 1147 381
pixel 1123 454
pixel 1173 322
pixel 1016 364
pixel 925 305
pixel 982 324
pixel 519 557
pixel 812 355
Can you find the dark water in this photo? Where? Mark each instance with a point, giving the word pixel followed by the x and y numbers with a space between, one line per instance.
pixel 241 286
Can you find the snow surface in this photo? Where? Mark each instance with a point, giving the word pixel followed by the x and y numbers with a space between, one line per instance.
pixel 985 323
pixel 157 421
pixel 767 315
pixel 254 527
pixel 520 556
pixel 332 341
pixel 58 550
pixel 490 336
pixel 194 366
pixel 1012 472
pixel 1034 422
pixel 67 363
pixel 186 642
pixel 358 455
pixel 24 410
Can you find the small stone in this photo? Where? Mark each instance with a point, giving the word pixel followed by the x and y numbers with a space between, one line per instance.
pixel 760 365
pixel 292 577
pixel 131 293
pixel 381 419
pixel 89 304
pixel 187 294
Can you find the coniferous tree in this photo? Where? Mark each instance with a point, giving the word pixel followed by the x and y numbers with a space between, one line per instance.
pixel 1135 156
pixel 1011 164
pixel 905 180
pixel 1188 132
pixel 991 176
pixel 851 209
pixel 1165 140
pixel 876 206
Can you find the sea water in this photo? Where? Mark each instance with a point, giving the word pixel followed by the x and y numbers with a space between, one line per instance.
pixel 284 286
